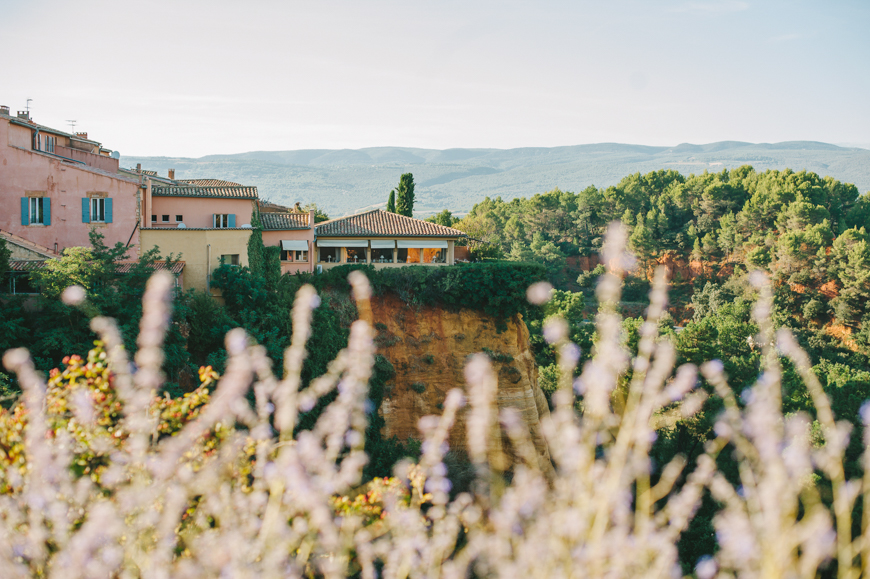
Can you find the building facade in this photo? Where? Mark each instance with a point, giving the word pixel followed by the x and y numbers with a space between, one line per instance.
pixel 56 186
pixel 384 240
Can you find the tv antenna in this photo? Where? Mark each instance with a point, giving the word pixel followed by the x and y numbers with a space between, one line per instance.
pixel 72 125
pixel 27 106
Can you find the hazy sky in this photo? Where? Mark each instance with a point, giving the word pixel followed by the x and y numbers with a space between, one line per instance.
pixel 180 78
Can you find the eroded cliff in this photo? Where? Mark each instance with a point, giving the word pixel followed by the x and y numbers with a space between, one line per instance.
pixel 428 347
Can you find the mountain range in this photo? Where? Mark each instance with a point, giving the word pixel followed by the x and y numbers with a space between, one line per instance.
pixel 345 181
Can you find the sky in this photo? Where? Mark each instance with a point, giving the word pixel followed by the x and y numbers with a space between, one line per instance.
pixel 189 78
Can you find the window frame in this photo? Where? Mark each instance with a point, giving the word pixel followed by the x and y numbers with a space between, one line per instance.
pixel 98 209
pixel 36 210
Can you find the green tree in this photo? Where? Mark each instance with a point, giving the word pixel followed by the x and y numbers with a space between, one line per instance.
pixel 256 248
pixel 405 195
pixel 391 202
pixel 444 218
pixel 319 214
pixel 5 268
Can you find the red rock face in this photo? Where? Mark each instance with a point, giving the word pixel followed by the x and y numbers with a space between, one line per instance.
pixel 428 347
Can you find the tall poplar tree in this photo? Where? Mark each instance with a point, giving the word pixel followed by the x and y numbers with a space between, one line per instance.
pixel 391 202
pixel 405 195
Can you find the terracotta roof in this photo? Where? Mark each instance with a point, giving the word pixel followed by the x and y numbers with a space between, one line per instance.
pixel 176 267
pixel 26 264
pixel 209 183
pixel 27 244
pixel 149 173
pixel 284 221
pixel 196 229
pixel 380 223
pixel 123 267
pixel 269 207
pixel 229 192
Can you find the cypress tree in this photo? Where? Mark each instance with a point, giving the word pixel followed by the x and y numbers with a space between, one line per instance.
pixel 256 259
pixel 391 202
pixel 5 255
pixel 405 195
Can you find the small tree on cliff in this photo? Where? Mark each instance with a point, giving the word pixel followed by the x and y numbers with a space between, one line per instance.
pixel 391 202
pixel 405 195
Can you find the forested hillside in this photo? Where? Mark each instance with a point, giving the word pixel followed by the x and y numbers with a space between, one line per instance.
pixel 809 232
pixel 345 181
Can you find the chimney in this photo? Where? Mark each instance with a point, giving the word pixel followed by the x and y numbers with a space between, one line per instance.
pixel 172 173
pixel 138 167
pixel 24 115
pixel 4 110
pixel 82 135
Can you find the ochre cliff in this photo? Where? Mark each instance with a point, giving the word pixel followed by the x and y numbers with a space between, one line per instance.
pixel 428 347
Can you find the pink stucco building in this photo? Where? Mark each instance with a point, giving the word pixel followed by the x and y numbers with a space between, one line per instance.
pixel 294 234
pixel 56 186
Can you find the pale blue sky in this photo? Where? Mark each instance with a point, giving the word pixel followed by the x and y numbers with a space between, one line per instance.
pixel 181 78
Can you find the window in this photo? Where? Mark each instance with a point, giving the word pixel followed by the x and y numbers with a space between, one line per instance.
pixel 294 255
pixel 382 255
pixel 49 144
pixel 356 254
pixel 98 210
pixel 153 219
pixel 224 220
pixel 37 214
pixel 230 259
pixel 179 218
pixel 35 209
pixel 330 254
pixel 164 219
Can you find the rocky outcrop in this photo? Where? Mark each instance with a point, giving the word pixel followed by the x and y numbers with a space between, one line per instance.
pixel 428 347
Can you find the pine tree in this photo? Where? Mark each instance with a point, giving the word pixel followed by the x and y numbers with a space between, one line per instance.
pixel 405 195
pixel 391 202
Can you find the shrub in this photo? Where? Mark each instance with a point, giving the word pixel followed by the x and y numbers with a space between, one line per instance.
pixel 103 480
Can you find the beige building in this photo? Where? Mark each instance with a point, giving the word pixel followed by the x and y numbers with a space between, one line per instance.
pixel 384 240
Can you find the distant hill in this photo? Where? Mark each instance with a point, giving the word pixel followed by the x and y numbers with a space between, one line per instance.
pixel 347 180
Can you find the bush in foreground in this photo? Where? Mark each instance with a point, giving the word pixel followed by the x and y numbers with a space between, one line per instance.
pixel 226 490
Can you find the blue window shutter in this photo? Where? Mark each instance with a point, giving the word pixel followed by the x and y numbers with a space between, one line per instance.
pixel 25 211
pixel 214 220
pixel 46 210
pixel 232 219
pixel 86 210
pixel 108 210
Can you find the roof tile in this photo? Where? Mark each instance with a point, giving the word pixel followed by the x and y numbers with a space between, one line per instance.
pixel 284 221
pixel 228 192
pixel 380 223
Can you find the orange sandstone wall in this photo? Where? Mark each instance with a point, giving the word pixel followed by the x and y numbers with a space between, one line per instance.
pixel 428 347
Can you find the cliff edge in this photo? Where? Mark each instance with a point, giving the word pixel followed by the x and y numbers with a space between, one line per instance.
pixel 428 347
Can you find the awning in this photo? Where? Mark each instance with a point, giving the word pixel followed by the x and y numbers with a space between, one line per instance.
pixel 294 245
pixel 342 243
pixel 423 244
pixel 383 243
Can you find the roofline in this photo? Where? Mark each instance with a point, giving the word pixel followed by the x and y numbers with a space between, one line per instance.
pixel 196 229
pixel 391 235
pixel 378 209
pixel 205 196
pixel 45 129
